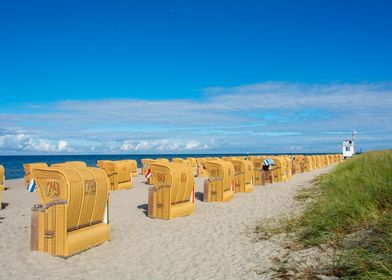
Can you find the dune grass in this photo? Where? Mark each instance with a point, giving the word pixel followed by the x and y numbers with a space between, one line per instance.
pixel 356 197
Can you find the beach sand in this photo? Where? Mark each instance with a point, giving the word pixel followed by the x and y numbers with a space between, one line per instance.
pixel 214 243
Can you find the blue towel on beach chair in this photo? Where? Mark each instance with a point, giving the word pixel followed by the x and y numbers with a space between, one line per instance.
pixel 268 162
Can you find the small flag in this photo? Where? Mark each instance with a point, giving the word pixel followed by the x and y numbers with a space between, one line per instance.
pixel 106 216
pixel 148 174
pixel 31 186
pixel 146 165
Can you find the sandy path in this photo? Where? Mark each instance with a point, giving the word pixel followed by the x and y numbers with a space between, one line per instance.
pixel 212 243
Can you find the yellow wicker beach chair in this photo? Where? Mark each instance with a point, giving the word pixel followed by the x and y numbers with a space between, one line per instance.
pixel 287 168
pixel 119 173
pixel 243 175
pixel 201 171
pixel 258 178
pixel 2 182
pixel 308 164
pixel 28 169
pixel 318 161
pixel 2 175
pixel 276 170
pixel 73 211
pixel 133 164
pixel 181 160
pixel 193 162
pixel 70 164
pixel 173 194
pixel 219 187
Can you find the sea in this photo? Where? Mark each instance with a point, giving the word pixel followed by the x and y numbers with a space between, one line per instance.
pixel 14 164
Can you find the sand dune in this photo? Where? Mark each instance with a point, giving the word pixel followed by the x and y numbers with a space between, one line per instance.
pixel 213 243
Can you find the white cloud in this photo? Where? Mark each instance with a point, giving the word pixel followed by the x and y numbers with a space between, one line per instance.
pixel 22 142
pixel 161 145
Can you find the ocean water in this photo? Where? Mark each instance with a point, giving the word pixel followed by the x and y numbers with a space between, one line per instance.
pixel 14 164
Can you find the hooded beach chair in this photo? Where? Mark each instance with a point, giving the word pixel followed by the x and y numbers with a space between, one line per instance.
pixel 258 178
pixel 133 164
pixel 193 162
pixel 201 171
pixel 276 170
pixel 2 182
pixel 243 175
pixel 119 173
pixel 182 160
pixel 28 169
pixel 299 164
pixel 308 164
pixel 173 194
pixel 219 186
pixel 73 214
pixel 2 175
pixel 70 164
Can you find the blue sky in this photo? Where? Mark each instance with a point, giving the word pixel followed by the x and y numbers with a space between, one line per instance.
pixel 194 76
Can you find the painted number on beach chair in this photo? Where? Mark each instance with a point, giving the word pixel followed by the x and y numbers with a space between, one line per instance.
pixel 183 177
pixel 52 188
pixel 91 187
pixel 161 177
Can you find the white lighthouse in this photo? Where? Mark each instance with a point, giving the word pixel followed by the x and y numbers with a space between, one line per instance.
pixel 348 146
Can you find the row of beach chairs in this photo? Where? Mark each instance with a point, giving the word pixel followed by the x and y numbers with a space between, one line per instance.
pixel 73 213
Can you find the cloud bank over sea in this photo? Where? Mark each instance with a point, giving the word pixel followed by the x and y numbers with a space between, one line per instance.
pixel 266 117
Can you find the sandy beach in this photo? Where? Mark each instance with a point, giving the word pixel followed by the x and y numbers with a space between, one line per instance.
pixel 214 243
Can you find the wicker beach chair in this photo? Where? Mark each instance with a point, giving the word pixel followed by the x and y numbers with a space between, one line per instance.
pixel 73 212
pixel 219 187
pixel 70 164
pixel 193 162
pixel 28 169
pixel 119 173
pixel 258 178
pixel 2 182
pixel 308 164
pixel 133 164
pixel 173 194
pixel 243 175
pixel 201 171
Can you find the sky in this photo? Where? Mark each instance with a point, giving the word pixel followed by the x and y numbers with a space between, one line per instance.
pixel 134 77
